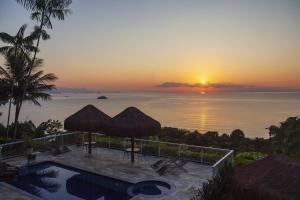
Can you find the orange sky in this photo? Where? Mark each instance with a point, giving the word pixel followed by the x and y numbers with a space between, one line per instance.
pixel 137 45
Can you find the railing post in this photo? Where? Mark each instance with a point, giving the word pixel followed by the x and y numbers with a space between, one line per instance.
pixel 214 171
pixel 201 156
pixel 124 143
pixel 109 142
pixel 179 151
pixel 62 140
pixel 158 149
pixel 1 147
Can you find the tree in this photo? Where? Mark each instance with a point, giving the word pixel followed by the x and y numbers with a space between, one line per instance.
pixel 43 11
pixel 237 136
pixel 219 188
pixel 4 96
pixel 4 92
pixel 16 44
pixel 286 137
pixel 49 127
pixel 38 82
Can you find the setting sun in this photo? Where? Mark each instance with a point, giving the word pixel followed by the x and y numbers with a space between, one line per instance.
pixel 203 82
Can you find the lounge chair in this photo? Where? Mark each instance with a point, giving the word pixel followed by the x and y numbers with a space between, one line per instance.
pixel 58 149
pixel 159 163
pixel 170 166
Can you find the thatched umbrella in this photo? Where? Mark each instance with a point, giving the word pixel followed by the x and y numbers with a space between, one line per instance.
pixel 88 119
pixel 133 123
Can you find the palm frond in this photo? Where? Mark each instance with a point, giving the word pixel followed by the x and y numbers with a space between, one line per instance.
pixel 37 16
pixel 5 50
pixel 4 74
pixel 21 31
pixel 6 38
pixel 48 77
pixel 37 64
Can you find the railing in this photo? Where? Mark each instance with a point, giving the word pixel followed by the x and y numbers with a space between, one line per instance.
pixel 214 157
pixel 17 148
pixel 227 158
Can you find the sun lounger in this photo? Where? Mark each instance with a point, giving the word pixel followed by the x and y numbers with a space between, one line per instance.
pixel 159 163
pixel 170 166
pixel 56 150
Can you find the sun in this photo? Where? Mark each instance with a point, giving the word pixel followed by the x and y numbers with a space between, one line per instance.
pixel 203 82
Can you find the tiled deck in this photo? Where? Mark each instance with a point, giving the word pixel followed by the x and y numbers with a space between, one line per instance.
pixel 111 163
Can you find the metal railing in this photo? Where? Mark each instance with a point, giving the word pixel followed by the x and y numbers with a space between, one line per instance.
pixel 228 158
pixel 214 157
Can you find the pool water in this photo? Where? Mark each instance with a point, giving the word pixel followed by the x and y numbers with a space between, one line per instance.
pixel 149 188
pixel 53 181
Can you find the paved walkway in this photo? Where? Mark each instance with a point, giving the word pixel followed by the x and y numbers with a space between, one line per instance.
pixel 111 163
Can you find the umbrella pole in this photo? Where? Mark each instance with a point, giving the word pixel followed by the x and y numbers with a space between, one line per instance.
pixel 90 143
pixel 132 149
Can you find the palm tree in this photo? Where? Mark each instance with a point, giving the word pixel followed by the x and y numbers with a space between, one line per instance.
pixel 37 82
pixel 42 11
pixel 16 44
pixel 4 92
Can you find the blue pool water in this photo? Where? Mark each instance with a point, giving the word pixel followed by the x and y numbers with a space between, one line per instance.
pixel 52 181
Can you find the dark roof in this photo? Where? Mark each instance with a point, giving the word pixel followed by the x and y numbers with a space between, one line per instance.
pixel 273 178
pixel 133 123
pixel 88 118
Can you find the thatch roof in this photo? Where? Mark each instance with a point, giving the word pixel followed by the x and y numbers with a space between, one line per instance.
pixel 88 118
pixel 133 123
pixel 272 178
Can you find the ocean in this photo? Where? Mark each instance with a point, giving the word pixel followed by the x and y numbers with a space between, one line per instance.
pixel 223 112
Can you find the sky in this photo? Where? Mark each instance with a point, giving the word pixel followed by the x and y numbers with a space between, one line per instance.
pixel 171 45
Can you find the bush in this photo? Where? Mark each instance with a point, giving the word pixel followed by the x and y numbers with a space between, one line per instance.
pixel 236 140
pixel 286 137
pixel 219 188
pixel 248 157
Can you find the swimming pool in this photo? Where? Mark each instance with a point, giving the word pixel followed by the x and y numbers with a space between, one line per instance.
pixel 53 181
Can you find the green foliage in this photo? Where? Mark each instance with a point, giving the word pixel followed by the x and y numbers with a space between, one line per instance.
pixel 248 157
pixel 219 188
pixel 49 127
pixel 16 71
pixel 28 143
pixel 19 43
pixel 286 137
pixel 27 128
pixel 236 140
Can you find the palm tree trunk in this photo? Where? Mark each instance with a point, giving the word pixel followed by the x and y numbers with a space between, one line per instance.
pixel 11 95
pixel 17 113
pixel 8 118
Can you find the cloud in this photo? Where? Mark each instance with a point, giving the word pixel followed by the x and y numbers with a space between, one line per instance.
pixel 223 87
pixel 176 84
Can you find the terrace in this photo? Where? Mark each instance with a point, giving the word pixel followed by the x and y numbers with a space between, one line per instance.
pixel 108 159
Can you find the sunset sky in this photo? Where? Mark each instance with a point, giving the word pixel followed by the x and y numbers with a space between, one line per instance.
pixel 171 45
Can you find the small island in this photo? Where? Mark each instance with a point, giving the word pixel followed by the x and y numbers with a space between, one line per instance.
pixel 102 97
